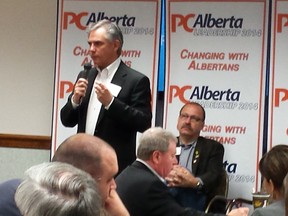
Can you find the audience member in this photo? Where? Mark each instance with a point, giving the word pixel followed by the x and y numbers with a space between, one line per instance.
pixel 7 203
pixel 96 157
pixel 99 159
pixel 286 193
pixel 58 189
pixel 274 167
pixel 114 108
pixel 142 186
pixel 200 161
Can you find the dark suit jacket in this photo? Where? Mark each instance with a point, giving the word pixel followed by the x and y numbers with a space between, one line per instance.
pixel 207 162
pixel 144 194
pixel 7 203
pixel 130 112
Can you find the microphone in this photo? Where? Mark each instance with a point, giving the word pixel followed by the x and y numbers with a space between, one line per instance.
pixel 87 67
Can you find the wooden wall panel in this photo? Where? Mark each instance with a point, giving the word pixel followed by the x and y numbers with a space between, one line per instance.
pixel 25 141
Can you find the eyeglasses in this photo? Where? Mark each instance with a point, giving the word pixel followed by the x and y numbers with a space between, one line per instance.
pixel 191 118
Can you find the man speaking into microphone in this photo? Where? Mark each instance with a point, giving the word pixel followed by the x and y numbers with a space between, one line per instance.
pixel 114 101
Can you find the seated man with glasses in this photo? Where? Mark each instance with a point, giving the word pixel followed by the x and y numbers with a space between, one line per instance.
pixel 200 160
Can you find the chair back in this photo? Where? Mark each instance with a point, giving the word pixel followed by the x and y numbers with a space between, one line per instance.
pixel 218 205
pixel 221 205
pixel 221 189
pixel 237 203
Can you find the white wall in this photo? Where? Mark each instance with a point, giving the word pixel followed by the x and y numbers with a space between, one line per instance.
pixel 27 60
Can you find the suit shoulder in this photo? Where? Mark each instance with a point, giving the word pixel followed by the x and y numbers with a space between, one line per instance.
pixel 206 140
pixel 132 72
pixel 209 141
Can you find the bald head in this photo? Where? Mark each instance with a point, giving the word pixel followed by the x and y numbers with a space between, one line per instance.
pixel 93 155
pixel 83 151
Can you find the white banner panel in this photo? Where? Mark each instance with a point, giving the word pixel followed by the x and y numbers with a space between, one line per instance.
pixel 278 125
pixel 216 57
pixel 139 21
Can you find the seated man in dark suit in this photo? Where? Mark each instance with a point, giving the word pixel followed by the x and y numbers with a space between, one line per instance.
pixel 142 186
pixel 7 203
pixel 200 160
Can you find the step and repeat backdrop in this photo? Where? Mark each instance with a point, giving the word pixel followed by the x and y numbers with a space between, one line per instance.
pixel 140 24
pixel 278 88
pixel 216 55
pixel 226 55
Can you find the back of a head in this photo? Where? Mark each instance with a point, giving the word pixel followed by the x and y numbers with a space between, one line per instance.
pixel 274 165
pixel 154 139
pixel 81 150
pixel 58 189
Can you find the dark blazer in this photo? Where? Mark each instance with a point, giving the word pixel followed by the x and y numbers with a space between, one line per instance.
pixel 207 162
pixel 143 194
pixel 130 112
pixel 7 203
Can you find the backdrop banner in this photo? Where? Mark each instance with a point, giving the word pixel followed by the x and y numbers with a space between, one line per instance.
pixel 216 56
pixel 139 22
pixel 278 97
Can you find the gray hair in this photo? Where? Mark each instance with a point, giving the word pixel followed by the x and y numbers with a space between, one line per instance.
pixel 154 139
pixel 60 189
pixel 113 31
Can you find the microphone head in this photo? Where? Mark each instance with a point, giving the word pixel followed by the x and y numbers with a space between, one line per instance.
pixel 87 66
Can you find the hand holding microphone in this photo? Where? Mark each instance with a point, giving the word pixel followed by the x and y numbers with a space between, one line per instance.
pixel 81 84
